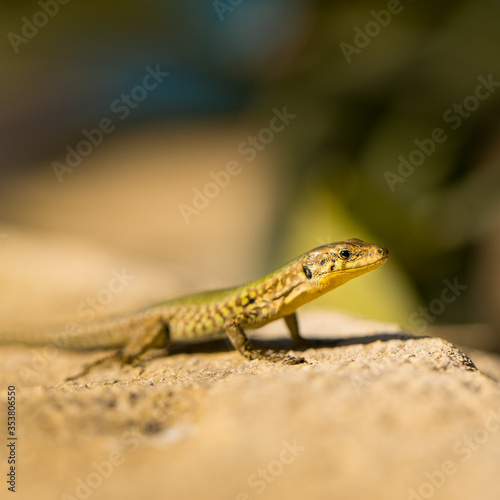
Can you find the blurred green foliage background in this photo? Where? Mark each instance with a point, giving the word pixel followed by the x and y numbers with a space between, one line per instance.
pixel 372 85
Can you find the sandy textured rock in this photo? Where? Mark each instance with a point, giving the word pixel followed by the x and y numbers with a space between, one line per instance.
pixel 375 415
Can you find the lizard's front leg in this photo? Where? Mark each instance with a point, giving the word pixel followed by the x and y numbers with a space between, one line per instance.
pixel 241 342
pixel 293 328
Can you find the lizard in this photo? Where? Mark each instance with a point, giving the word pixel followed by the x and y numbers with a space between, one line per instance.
pixel 228 312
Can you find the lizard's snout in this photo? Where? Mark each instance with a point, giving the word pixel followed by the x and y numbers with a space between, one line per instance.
pixel 383 252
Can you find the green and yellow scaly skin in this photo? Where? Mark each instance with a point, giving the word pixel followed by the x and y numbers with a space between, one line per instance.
pixel 229 312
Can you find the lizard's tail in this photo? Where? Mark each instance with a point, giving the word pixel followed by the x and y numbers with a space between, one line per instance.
pixel 113 332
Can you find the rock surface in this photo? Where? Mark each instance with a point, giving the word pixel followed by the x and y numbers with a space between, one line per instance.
pixel 376 414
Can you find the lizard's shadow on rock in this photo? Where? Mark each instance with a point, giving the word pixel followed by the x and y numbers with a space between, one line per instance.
pixel 285 344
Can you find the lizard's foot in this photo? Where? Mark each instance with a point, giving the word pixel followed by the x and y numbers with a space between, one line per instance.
pixel 240 341
pixel 278 357
pixel 116 356
pixel 291 360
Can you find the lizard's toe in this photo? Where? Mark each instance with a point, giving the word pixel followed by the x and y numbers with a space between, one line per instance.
pixel 294 361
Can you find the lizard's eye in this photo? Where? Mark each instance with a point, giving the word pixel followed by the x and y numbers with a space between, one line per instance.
pixel 344 254
pixel 307 272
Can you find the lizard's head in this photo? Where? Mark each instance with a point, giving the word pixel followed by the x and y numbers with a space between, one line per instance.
pixel 329 266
